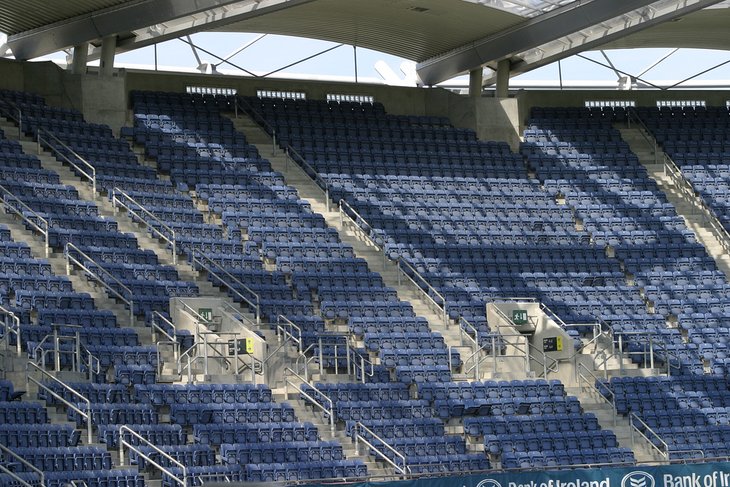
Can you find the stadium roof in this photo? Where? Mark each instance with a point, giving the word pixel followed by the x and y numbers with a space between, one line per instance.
pixel 445 37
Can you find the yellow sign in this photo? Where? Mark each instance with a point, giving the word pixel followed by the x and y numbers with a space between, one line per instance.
pixel 249 345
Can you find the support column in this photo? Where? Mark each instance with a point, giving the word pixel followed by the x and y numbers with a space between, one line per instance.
pixel 503 70
pixel 475 82
pixel 106 62
pixel 80 58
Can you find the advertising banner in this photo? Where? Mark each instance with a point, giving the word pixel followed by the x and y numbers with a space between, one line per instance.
pixel 680 475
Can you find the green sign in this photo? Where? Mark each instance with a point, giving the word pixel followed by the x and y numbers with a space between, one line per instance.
pixel 206 313
pixel 519 316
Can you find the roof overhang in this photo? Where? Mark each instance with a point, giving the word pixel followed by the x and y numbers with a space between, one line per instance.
pixel 446 37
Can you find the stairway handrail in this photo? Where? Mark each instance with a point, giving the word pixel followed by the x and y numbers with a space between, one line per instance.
pixel 688 189
pixel 84 414
pixel 10 330
pixel 288 335
pixel 171 239
pixel 364 362
pixel 229 309
pixel 48 135
pixel 69 258
pixel 5 193
pixel 402 470
pixel 258 118
pixel 634 416
pixel 25 462
pixel 611 402
pixel 310 171
pixel 255 303
pixel 358 220
pixel 18 119
pixel 330 413
pixel 123 442
pixel 156 314
pixel 443 306
pixel 632 115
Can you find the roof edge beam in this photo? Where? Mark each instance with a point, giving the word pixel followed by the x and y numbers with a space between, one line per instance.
pixel 127 18
pixel 522 67
pixel 178 28
pixel 527 35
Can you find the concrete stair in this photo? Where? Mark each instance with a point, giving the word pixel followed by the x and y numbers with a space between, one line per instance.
pixel 309 413
pixel 364 248
pixel 694 218
pixel 593 402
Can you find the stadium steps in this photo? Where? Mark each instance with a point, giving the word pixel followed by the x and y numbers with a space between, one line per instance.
pixel 592 402
pixel 58 263
pixel 376 259
pixel 685 208
pixel 308 413
pixel 127 225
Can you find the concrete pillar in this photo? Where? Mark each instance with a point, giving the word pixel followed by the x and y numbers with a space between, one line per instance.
pixel 81 56
pixel 503 70
pixel 108 49
pixel 476 77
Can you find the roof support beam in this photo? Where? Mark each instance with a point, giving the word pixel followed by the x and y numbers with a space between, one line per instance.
pixel 560 48
pixel 528 35
pixel 151 20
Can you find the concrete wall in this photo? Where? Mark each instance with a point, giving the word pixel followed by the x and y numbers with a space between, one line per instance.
pixel 492 119
pixel 106 100
pixel 45 79
pixel 577 98
pixel 103 99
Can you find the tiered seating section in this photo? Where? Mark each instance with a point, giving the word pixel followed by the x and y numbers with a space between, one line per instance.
pixel 470 216
pixel 466 216
pixel 684 294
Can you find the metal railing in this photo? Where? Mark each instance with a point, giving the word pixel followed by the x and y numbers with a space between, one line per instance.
pixel 93 364
pixel 237 315
pixel 7 451
pixel 120 198
pixel 401 469
pixel 84 414
pixel 583 379
pixel 693 197
pixel 84 168
pixel 13 329
pixel 647 339
pixel 328 410
pixel 301 163
pixel 522 351
pixel 123 442
pixel 25 212
pixel 157 328
pixel 254 301
pixel 304 367
pixel 288 331
pixel 633 117
pixel 430 293
pixel 347 212
pixel 360 366
pixel 662 448
pixel 15 113
pixel 258 118
pixel 82 264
